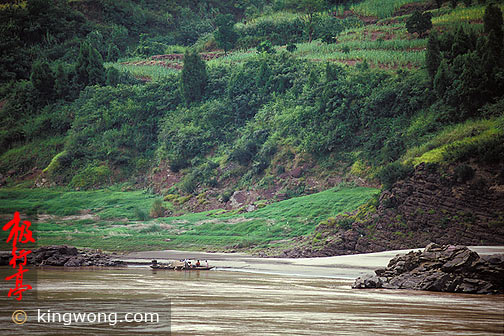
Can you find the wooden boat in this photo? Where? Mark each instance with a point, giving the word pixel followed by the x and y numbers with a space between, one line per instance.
pixel 180 268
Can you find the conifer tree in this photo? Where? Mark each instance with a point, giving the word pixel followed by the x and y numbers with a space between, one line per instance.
pixel 42 78
pixel 61 83
pixel 442 79
pixel 263 77
pixel 461 43
pixel 89 67
pixel 193 78
pixel 419 23
pixel 433 56
pixel 492 20
pixel 332 72
pixel 95 69
pixel 113 53
pixel 113 76
pixel 225 36
pixel 82 64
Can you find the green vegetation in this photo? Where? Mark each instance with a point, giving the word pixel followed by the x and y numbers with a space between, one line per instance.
pixel 419 23
pixel 139 92
pixel 379 8
pixel 481 139
pixel 225 36
pixel 105 203
pixel 121 226
pixel 193 78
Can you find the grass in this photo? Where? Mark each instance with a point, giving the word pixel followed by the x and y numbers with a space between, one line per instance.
pixel 378 8
pixel 451 17
pixel 105 203
pixel 279 16
pixel 315 51
pixel 152 72
pixel 460 138
pixel 33 154
pixel 211 229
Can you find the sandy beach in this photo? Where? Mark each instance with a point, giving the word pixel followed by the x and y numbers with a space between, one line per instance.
pixel 344 267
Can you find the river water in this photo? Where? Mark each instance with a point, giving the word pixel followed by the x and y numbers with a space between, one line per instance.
pixel 227 302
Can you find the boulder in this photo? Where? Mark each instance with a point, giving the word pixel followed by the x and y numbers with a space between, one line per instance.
pixel 438 268
pixel 67 256
pixel 76 261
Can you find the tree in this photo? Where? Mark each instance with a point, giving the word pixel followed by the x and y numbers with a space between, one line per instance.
pixel 492 20
pixel 453 3
pixel 433 56
pixel 265 47
pixel 193 78
pixel 113 76
pixel 467 3
pixel 113 53
pixel 42 78
pixel 291 47
pixel 89 66
pixel 263 78
pixel 95 69
pixel 439 3
pixel 82 64
pixel 61 83
pixel 311 8
pixel 470 86
pixel 442 79
pixel 419 23
pixel 225 36
pixel 332 72
pixel 461 43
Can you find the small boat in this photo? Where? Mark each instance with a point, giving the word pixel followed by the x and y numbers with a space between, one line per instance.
pixel 179 267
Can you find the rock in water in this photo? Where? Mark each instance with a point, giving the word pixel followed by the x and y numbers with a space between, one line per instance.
pixel 63 255
pixel 447 268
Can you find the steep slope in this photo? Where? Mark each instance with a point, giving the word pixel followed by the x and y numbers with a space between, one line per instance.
pixel 432 205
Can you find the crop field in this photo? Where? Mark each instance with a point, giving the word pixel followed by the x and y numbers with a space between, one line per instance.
pixel 388 46
pixel 378 8
pixel 146 72
pixel 451 17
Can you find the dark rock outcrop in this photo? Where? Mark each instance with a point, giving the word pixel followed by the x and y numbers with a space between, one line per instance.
pixel 68 256
pixel 447 268
pixel 430 205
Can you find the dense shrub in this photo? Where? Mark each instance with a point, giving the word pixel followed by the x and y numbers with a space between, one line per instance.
pixel 463 173
pixel 91 176
pixel 157 209
pixel 393 172
pixel 280 31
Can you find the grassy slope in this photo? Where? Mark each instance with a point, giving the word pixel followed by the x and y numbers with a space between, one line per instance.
pixel 116 227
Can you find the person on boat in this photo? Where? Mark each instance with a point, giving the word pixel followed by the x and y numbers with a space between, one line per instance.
pixel 206 263
pixel 198 264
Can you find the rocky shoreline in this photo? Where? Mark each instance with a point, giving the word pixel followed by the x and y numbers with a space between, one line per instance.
pixel 67 256
pixel 447 268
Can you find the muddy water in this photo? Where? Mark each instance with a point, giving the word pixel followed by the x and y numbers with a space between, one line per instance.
pixel 223 302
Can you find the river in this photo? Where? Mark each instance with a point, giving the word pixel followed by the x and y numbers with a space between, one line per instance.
pixel 251 297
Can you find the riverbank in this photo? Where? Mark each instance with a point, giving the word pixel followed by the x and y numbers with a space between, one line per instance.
pixel 343 267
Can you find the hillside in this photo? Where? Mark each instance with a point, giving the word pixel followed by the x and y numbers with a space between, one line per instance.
pixel 262 125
